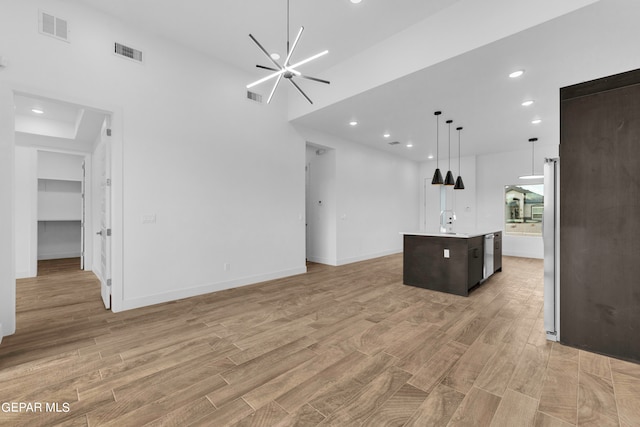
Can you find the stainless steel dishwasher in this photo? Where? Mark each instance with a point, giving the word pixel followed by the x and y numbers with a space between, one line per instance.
pixel 487 270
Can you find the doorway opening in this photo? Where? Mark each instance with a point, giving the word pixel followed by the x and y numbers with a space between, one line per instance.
pixel 320 204
pixel 61 172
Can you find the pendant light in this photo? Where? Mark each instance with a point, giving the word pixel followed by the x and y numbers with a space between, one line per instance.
pixel 533 175
pixel 449 179
pixel 437 176
pixel 459 184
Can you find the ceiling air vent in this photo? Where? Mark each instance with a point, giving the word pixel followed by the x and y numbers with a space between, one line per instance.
pixel 254 96
pixel 53 26
pixel 394 143
pixel 128 52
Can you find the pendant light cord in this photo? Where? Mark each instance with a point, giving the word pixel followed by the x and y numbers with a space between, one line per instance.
pixel 449 145
pixel 437 141
pixel 532 141
pixel 287 28
pixel 459 151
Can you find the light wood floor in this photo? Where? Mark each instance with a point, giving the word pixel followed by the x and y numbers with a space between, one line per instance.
pixel 338 346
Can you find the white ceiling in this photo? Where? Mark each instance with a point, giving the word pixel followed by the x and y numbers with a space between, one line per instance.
pixel 221 28
pixel 472 88
pixel 475 91
pixel 62 125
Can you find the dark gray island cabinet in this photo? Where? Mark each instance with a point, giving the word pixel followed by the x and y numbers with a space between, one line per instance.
pixel 452 263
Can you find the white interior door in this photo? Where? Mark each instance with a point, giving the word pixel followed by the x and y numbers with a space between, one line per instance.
pixel 103 154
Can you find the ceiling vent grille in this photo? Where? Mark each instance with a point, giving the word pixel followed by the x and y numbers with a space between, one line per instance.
pixel 128 52
pixel 254 96
pixel 53 26
pixel 394 143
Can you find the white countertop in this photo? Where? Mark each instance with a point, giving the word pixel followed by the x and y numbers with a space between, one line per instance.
pixel 454 235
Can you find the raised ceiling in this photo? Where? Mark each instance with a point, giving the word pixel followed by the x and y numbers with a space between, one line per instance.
pixel 471 88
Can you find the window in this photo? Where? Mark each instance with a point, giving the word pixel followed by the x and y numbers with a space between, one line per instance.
pixel 524 209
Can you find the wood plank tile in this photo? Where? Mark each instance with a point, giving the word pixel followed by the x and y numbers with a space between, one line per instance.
pixel 371 397
pixel 227 415
pixel 245 380
pixel 595 364
pixel 267 416
pixel 437 409
pixel 544 420
pixel 296 397
pixel 306 415
pixel 397 410
pixel 528 376
pixel 184 415
pixel 627 394
pixel 497 373
pixel 596 401
pixel 287 342
pixel 275 388
pixel 438 366
pixel 515 409
pixel 465 372
pixel 477 409
pixel 559 394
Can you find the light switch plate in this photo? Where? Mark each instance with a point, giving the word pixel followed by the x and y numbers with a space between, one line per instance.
pixel 149 219
pixel 446 253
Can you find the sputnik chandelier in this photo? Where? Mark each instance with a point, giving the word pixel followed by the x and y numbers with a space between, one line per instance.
pixel 286 69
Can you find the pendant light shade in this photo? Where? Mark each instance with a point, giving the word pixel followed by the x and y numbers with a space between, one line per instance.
pixel 437 175
pixel 449 179
pixel 459 183
pixel 533 175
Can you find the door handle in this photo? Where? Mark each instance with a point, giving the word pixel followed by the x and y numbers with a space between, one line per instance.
pixel 99 233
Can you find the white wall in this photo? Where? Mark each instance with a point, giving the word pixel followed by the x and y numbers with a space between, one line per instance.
pixel 321 205
pixel 61 166
pixel 462 202
pixel 222 174
pixel 59 239
pixel 377 197
pixel 7 214
pixel 26 194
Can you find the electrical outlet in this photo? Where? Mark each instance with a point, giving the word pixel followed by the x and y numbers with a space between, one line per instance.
pixel 446 253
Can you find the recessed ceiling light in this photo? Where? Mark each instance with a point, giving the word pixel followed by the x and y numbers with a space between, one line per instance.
pixel 355 1
pixel 353 123
pixel 275 56
pixel 527 103
pixel 536 121
pixel 516 74
pixel 386 135
pixel 409 145
pixel 430 156
pixel 37 110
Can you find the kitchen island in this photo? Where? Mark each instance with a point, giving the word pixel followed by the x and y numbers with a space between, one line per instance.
pixel 451 262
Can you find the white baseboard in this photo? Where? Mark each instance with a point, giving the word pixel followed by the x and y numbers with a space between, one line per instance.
pixel 522 254
pixel 23 275
pixel 368 256
pixel 129 304
pixel 321 260
pixel 59 255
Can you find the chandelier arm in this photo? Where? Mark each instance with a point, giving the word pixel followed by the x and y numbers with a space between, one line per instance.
pixel 265 52
pixel 315 79
pixel 275 86
pixel 266 68
pixel 293 47
pixel 300 90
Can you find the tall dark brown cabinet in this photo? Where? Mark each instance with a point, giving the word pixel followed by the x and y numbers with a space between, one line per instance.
pixel 600 215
